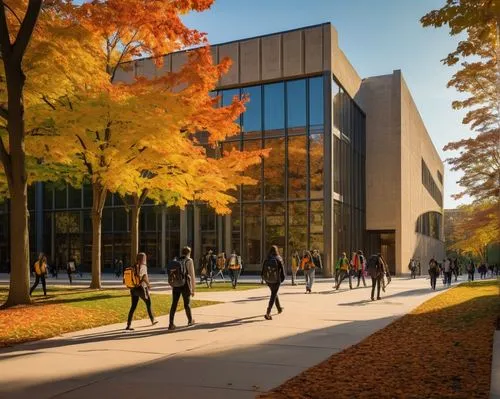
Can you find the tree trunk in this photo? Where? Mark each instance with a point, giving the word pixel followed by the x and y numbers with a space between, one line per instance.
pixel 98 198
pixel 134 230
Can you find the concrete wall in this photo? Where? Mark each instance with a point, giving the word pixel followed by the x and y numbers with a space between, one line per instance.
pixel 397 140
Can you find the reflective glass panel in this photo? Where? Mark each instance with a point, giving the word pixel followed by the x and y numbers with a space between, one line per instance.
pixel 316 226
pixel 252 117
pixel 316 104
pixel 296 106
pixel 297 227
pixel 297 167
pixel 274 169
pixel 251 236
pixel 274 214
pixel 252 193
pixel 316 165
pixel 274 109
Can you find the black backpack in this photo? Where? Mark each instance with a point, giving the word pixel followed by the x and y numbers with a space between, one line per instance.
pixel 373 263
pixel 271 271
pixel 176 272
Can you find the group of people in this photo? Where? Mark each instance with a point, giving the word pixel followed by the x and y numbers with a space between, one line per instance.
pixel 213 266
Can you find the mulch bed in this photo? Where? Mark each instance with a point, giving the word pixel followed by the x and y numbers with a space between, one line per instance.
pixel 443 349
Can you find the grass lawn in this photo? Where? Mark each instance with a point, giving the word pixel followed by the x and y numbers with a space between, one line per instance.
pixel 66 310
pixel 442 349
pixel 216 286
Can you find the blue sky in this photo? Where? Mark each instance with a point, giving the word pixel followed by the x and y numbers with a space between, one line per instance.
pixel 377 37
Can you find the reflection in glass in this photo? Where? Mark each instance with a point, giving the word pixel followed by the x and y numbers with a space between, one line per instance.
pixel 316 226
pixel 297 167
pixel 252 117
pixel 228 96
pixel 316 105
pixel 274 109
pixel 337 105
pixel 252 235
pixel 252 193
pixel 60 196
pixel 297 227
pixel 336 165
pixel 228 147
pixel 235 228
pixel 296 106
pixel 74 197
pixel 274 214
pixel 274 169
pixel 316 165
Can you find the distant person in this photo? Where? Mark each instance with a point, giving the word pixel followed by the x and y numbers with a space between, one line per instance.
pixel 40 269
pixel 207 266
pixel 182 280
pixel 447 271
pixel 316 258
pixel 273 273
pixel 295 266
pixel 343 266
pixel 412 266
pixel 307 265
pixel 234 266
pixel 433 272
pixel 471 270
pixel 361 267
pixel 70 269
pixel 141 289
pixel 375 269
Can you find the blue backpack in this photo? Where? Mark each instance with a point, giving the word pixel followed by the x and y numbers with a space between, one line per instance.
pixel 177 272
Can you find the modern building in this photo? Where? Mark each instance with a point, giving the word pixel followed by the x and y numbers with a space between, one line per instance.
pixel 351 167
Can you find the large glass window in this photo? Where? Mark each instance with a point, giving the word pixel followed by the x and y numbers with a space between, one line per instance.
pixel 316 165
pixel 48 199
pixel 252 117
pixel 228 147
pixel 316 226
pixel 296 106
pixel 274 169
pixel 252 235
pixel 60 196
pixel 74 197
pixel 316 104
pixel 274 109
pixel 120 219
pixel 297 227
pixel 274 214
pixel 253 193
pixel 336 164
pixel 235 228
pixel 297 167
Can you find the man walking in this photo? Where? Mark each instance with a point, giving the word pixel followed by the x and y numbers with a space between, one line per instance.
pixel 375 268
pixel 433 272
pixel 343 265
pixel 234 266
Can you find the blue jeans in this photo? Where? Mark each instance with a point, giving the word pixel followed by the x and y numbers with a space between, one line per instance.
pixel 309 275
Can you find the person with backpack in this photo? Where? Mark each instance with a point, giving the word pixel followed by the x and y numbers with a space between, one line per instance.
pixel 136 278
pixel 309 268
pixel 361 266
pixel 234 266
pixel 220 265
pixel 412 266
pixel 70 269
pixel 471 270
pixel 182 280
pixel 40 269
pixel 433 272
pixel 207 266
pixel 375 268
pixel 295 266
pixel 344 271
pixel 273 273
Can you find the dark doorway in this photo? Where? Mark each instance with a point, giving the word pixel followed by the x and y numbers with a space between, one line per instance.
pixel 383 242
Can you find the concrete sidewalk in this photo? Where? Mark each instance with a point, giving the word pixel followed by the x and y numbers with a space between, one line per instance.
pixel 232 352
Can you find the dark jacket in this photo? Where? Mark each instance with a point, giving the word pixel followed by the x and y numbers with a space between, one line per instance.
pixel 280 265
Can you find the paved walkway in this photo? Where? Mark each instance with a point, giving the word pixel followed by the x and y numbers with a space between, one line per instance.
pixel 231 353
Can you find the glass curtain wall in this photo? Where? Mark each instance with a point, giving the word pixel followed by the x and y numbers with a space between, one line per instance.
pixel 285 207
pixel 349 142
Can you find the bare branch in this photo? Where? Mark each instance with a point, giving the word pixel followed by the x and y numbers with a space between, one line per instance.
pixel 12 12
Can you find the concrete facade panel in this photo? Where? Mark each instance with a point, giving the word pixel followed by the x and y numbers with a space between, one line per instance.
pixel 231 51
pixel 125 74
pixel 271 57
pixel 293 55
pixel 313 49
pixel 250 61
pixel 145 69
pixel 166 67
pixel 178 60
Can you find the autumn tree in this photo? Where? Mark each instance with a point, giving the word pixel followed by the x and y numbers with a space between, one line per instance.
pixel 43 56
pixel 478 77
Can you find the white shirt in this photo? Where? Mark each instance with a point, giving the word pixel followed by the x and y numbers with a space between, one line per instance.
pixel 447 265
pixel 143 271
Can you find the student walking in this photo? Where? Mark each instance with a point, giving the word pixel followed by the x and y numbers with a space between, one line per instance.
pixel 295 266
pixel 413 268
pixel 447 271
pixel 182 279
pixel 40 268
pixel 307 265
pixel 361 267
pixel 70 269
pixel 343 265
pixel 375 268
pixel 433 272
pixel 471 269
pixel 234 266
pixel 273 273
pixel 141 287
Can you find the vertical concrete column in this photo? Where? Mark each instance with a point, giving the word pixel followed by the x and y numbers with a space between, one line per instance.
pixel 228 235
pixel 328 205
pixel 163 252
pixel 183 228
pixel 220 234
pixel 197 232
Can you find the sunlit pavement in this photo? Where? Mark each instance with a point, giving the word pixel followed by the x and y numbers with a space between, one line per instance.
pixel 232 352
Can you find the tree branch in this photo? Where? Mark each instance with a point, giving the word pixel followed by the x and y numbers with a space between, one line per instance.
pixel 26 30
pixel 12 12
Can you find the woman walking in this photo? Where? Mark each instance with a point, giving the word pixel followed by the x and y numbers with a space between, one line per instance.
pixel 273 273
pixel 40 268
pixel 309 268
pixel 141 290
